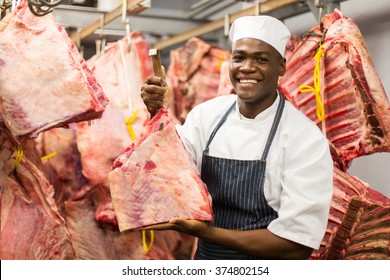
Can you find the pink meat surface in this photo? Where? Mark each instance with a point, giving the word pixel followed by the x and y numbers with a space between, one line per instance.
pixel 121 72
pixel 44 80
pixel 156 180
pixel 61 163
pixel 92 241
pixel 31 226
pixel 357 110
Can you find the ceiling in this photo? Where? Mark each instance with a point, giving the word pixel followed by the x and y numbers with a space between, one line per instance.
pixel 164 18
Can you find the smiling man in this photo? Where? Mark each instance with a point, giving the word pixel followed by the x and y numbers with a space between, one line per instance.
pixel 267 166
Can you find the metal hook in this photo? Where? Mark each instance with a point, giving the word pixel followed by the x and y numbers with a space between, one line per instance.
pixel 258 9
pixel 98 44
pixel 14 4
pixel 78 39
pixel 124 11
pixel 102 19
pixel 128 35
pixel 4 5
pixel 126 21
pixel 227 25
pixel 42 7
pixel 103 41
pixel 78 43
pixel 320 4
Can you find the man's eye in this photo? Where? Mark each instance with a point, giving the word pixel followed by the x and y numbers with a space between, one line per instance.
pixel 261 59
pixel 237 58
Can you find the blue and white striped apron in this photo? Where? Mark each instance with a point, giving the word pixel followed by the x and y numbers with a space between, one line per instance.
pixel 237 190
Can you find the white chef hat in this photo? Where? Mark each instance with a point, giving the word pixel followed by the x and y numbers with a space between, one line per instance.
pixel 265 28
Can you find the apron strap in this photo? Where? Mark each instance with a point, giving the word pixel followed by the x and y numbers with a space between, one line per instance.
pixel 221 122
pixel 274 127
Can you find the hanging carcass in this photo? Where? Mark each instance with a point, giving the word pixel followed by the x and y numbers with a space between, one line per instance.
pixel 194 75
pixel 31 225
pixel 44 80
pixel 331 78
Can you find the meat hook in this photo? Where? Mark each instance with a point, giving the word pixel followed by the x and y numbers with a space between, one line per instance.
pixel 4 5
pixel 42 7
pixel 126 21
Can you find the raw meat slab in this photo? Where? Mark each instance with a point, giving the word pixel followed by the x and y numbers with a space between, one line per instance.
pixel 156 180
pixel 45 82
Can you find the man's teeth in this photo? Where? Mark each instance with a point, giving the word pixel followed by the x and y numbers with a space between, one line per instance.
pixel 248 81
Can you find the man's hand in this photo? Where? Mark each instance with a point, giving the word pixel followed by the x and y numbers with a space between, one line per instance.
pixel 155 92
pixel 258 242
pixel 192 227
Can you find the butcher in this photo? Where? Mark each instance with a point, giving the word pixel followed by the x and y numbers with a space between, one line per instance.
pixel 267 166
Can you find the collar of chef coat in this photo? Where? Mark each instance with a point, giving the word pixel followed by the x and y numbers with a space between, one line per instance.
pixel 261 116
pixel 253 135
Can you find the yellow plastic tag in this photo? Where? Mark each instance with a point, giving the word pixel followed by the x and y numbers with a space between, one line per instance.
pixel 53 154
pixel 129 125
pixel 146 247
pixel 320 111
pixel 19 155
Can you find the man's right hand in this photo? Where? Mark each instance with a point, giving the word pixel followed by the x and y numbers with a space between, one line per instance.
pixel 155 93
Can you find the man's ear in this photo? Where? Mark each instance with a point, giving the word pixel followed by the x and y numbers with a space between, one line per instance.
pixel 282 70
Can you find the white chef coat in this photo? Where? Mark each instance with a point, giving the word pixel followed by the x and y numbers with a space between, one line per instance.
pixel 299 171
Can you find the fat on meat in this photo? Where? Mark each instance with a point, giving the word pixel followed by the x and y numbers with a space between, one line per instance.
pixel 31 225
pixel 156 180
pixel 45 82
pixel 194 75
pixel 357 119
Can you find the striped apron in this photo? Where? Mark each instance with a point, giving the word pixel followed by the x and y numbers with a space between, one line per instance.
pixel 237 190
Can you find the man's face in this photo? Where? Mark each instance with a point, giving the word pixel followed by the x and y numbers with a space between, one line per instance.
pixel 254 70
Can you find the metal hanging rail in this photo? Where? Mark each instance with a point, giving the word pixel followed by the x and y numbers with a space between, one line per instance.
pixel 133 7
pixel 258 8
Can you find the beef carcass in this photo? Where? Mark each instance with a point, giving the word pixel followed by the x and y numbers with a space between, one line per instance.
pixel 45 82
pixel 194 74
pixel 61 162
pixel 156 180
pixel 357 118
pixel 121 70
pixel 358 224
pixel 31 226
pixel 225 86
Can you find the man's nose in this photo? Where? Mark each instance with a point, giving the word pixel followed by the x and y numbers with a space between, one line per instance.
pixel 247 65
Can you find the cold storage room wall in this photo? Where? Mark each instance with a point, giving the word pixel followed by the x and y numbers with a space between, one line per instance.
pixel 373 20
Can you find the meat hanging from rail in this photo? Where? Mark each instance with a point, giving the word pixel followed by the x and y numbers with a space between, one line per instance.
pixel 45 82
pixel 356 107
